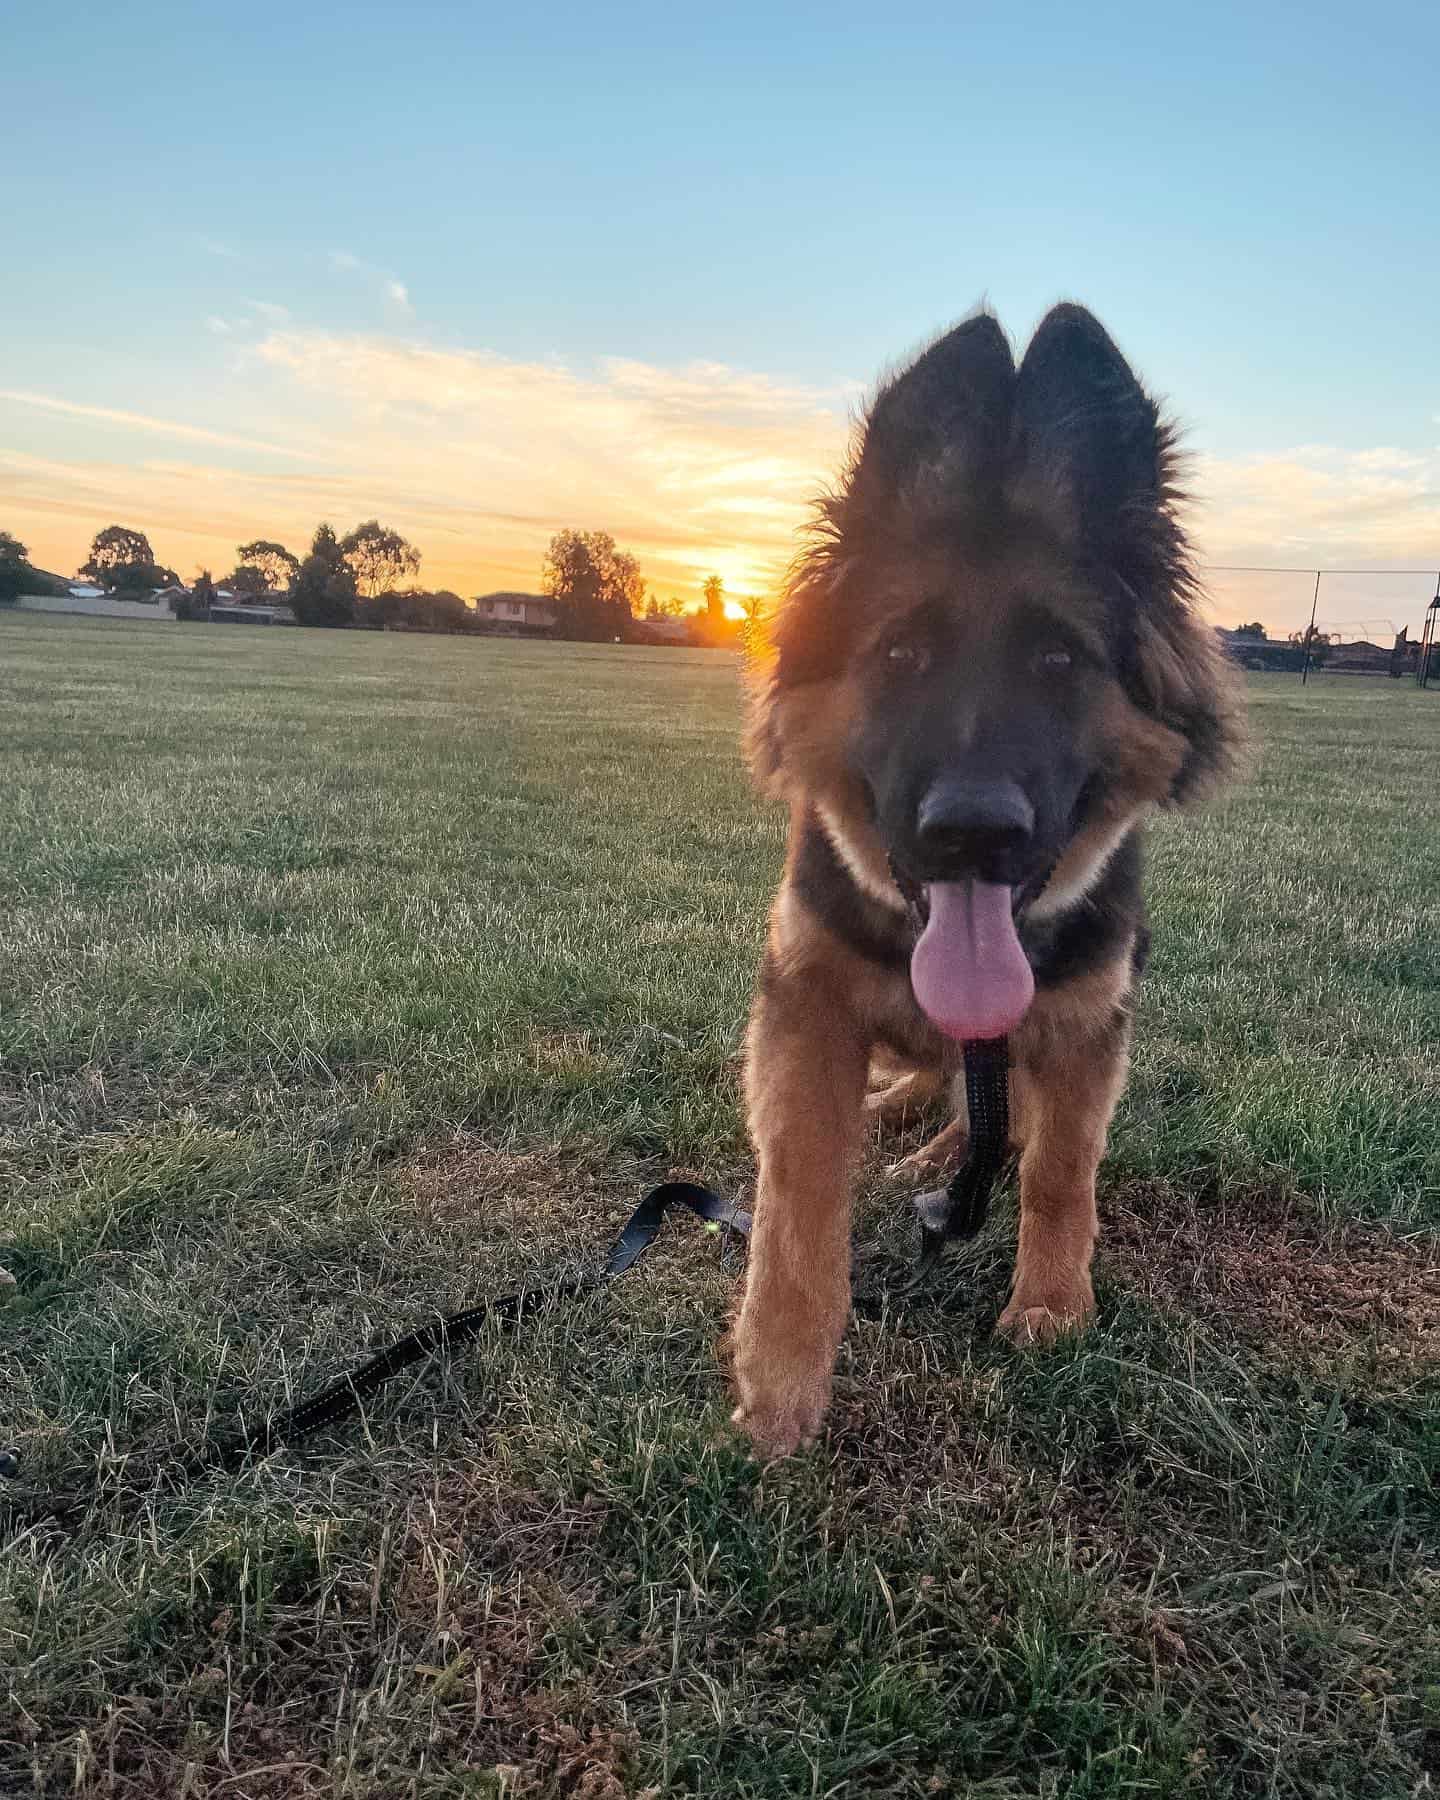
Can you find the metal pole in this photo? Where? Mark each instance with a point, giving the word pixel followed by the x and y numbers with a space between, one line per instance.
pixel 1310 634
pixel 1427 638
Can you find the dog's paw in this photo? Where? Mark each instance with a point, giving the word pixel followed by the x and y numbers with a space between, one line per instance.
pixel 903 1099
pixel 779 1427
pixel 941 1153
pixel 1025 1322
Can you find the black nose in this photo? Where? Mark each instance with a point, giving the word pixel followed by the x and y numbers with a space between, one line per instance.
pixel 975 829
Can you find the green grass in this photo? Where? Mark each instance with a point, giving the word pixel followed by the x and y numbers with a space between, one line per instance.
pixel 345 978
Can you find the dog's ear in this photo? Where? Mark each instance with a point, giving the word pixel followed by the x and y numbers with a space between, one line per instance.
pixel 1088 451
pixel 935 435
pixel 946 415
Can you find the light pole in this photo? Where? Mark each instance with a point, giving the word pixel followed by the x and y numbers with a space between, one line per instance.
pixel 1310 634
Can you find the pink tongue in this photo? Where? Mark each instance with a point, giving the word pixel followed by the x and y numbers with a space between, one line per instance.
pixel 969 973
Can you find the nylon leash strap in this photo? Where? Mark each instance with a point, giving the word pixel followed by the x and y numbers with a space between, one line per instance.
pixel 957 1211
pixel 346 1396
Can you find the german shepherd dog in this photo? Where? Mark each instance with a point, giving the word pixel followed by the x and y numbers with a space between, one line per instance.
pixel 987 669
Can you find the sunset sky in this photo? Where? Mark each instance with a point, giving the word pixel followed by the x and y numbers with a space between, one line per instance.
pixel 489 272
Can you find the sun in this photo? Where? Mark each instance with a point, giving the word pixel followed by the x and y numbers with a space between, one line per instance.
pixel 743 580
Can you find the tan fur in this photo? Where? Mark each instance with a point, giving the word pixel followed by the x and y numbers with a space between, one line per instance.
pixel 904 1097
pixel 807 1054
pixel 1070 1063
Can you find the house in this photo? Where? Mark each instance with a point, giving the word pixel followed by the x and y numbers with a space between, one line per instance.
pixel 515 615
pixel 230 608
pixel 73 586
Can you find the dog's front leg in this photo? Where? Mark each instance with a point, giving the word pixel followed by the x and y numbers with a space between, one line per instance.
pixel 1067 1083
pixel 805 1087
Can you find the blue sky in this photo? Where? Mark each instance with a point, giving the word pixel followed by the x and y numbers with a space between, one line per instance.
pixel 493 271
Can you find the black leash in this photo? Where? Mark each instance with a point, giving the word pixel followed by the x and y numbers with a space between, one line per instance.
pixel 958 1209
pixel 346 1396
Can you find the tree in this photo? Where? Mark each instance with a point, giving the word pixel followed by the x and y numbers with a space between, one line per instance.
pixel 1257 630
pixel 14 568
pixel 197 603
pixel 18 575
pixel 121 557
pixel 249 580
pixel 595 586
pixel 323 593
pixel 273 562
pixel 446 611
pixel 714 627
pixel 378 557
pixel 415 609
pixel 664 609
pixel 1318 641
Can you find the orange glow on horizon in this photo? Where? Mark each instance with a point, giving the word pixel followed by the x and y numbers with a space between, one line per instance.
pixel 697 471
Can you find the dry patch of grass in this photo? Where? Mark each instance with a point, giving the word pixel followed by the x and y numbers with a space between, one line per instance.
pixel 470 1181
pixel 1330 1296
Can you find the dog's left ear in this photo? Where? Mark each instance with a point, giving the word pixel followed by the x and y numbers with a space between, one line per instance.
pixel 1087 445
pixel 1091 457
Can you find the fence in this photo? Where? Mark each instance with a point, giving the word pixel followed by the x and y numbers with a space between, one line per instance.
pixel 1370 644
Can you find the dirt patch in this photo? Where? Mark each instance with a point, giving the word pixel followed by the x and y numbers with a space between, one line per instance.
pixel 522 1208
pixel 430 1658
pixel 1318 1294
pixel 468 1180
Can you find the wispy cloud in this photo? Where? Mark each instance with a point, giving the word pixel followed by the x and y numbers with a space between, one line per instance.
pixel 1353 506
pixel 214 247
pixel 109 415
pixel 269 311
pixel 696 468
pixel 392 291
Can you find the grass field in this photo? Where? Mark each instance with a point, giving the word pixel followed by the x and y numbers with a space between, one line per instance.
pixel 346 978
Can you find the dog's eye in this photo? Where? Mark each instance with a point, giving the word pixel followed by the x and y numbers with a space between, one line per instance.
pixel 907 653
pixel 1054 660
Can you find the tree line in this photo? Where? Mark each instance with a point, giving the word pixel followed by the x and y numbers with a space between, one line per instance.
pixel 599 596
pixel 597 590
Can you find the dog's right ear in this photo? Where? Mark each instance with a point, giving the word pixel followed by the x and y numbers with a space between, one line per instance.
pixel 946 416
pixel 935 436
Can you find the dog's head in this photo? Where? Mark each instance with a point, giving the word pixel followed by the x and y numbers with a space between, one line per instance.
pixel 987 665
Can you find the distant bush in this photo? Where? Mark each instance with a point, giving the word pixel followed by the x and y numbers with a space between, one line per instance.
pixel 415 609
